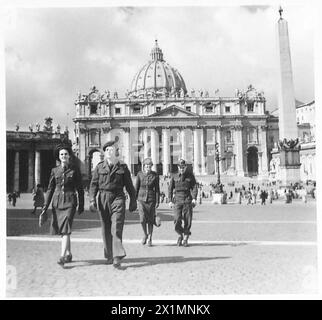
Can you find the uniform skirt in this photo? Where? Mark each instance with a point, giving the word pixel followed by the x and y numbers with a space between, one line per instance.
pixel 62 220
pixel 146 211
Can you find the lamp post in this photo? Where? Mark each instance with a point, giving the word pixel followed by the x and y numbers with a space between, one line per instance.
pixel 217 159
pixel 218 187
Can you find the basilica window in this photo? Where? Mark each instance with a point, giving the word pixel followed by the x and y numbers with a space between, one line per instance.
pixel 250 106
pixel 188 108
pixel 228 162
pixel 252 135
pixel 93 108
pixel 117 110
pixel 209 109
pixel 93 137
pixel 227 109
pixel 228 136
pixel 136 109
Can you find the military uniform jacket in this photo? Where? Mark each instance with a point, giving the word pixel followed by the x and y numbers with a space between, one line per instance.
pixel 185 187
pixel 105 179
pixel 147 187
pixel 62 187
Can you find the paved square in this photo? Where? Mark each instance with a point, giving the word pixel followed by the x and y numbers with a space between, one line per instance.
pixel 234 249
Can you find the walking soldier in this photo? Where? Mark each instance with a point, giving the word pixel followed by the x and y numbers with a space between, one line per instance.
pixel 108 181
pixel 184 184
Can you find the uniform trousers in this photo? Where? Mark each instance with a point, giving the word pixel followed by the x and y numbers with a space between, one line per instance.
pixel 183 212
pixel 111 209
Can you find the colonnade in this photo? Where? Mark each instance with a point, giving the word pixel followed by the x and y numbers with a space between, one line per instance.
pixel 34 170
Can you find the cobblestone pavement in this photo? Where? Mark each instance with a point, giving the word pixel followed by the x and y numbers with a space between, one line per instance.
pixel 234 249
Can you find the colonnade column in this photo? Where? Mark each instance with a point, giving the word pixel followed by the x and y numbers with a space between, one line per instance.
pixel 127 147
pixel 260 163
pixel 37 167
pixel 154 148
pixel 30 170
pixel 16 172
pixel 238 146
pixel 196 151
pixel 166 150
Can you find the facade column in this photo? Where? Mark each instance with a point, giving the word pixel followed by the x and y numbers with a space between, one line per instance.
pixel 166 150
pixel 16 173
pixel 37 167
pixel 31 170
pixel 184 154
pixel 238 145
pixel 202 152
pixel 154 149
pixel 127 147
pixel 146 144
pixel 108 136
pixel 263 144
pixel 82 149
pixel 196 151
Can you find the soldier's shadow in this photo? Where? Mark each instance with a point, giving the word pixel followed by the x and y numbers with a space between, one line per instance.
pixel 151 261
pixel 143 261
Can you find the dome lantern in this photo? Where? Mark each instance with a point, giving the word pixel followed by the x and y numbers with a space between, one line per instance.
pixel 156 53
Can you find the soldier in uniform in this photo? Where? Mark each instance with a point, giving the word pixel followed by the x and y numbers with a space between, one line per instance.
pixel 148 196
pixel 64 182
pixel 185 186
pixel 108 181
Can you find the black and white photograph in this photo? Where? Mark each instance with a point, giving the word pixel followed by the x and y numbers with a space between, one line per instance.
pixel 160 150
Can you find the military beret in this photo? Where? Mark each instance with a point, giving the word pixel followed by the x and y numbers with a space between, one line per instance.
pixel 108 144
pixel 182 163
pixel 63 147
pixel 147 161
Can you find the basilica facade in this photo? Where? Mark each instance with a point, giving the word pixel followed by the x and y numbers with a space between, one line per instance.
pixel 159 118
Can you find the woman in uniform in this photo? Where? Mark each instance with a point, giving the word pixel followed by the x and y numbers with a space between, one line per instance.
pixel 148 196
pixel 64 182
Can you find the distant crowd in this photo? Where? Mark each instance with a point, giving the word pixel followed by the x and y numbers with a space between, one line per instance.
pixel 250 195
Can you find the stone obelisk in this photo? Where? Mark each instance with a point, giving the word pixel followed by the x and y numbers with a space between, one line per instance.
pixel 288 134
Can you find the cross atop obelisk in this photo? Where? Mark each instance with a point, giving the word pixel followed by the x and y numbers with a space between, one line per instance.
pixel 280 10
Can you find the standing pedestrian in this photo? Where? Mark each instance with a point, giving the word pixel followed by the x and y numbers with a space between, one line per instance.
pixel 106 193
pixel 10 197
pixel 263 196
pixel 270 196
pixel 304 195
pixel 148 196
pixel 239 197
pixel 64 183
pixel 14 198
pixel 38 198
pixel 184 184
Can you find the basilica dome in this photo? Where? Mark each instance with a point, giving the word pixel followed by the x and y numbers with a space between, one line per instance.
pixel 157 78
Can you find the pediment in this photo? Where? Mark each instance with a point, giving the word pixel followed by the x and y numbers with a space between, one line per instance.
pixel 174 111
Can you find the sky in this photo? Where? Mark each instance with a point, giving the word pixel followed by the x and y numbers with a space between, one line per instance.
pixel 51 54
